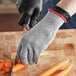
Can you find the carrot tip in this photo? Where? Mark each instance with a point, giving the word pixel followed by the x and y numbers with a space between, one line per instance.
pixel 18 67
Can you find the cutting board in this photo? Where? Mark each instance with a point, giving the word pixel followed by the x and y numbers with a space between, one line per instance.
pixel 45 62
pixel 63 47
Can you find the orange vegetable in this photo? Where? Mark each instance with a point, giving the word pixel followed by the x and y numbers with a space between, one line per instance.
pixel 5 66
pixel 2 71
pixel 1 61
pixel 18 67
pixel 1 64
pixel 8 64
pixel 65 71
pixel 51 70
pixel 7 69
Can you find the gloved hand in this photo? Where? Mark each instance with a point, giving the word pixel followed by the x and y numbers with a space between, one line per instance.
pixel 38 38
pixel 29 12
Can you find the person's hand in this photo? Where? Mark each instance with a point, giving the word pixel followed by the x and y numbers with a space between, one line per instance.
pixel 29 12
pixel 38 38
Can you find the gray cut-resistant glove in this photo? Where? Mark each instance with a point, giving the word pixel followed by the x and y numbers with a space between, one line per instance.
pixel 29 12
pixel 38 38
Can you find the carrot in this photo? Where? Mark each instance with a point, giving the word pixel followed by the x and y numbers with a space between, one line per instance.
pixel 1 64
pixel 8 64
pixel 18 67
pixel 65 71
pixel 2 71
pixel 5 66
pixel 1 61
pixel 7 69
pixel 51 70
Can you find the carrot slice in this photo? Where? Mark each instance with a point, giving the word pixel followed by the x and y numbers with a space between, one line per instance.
pixel 1 64
pixel 65 71
pixel 18 67
pixel 7 69
pixel 8 64
pixel 2 71
pixel 51 70
pixel 5 66
pixel 1 61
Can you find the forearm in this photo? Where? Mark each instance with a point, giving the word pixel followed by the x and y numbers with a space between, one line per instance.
pixel 68 5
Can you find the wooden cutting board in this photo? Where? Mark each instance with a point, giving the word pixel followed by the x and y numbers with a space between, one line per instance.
pixel 45 62
pixel 63 47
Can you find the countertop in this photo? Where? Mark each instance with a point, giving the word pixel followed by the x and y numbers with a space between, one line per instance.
pixel 63 47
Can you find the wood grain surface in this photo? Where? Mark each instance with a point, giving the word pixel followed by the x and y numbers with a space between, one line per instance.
pixel 63 47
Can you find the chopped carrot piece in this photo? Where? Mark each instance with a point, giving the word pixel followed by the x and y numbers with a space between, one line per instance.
pixel 1 61
pixel 1 64
pixel 5 66
pixel 65 71
pixel 18 67
pixel 7 69
pixel 8 64
pixel 54 68
pixel 2 71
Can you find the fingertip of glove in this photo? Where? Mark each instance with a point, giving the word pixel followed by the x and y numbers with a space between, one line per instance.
pixel 20 22
pixel 36 61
